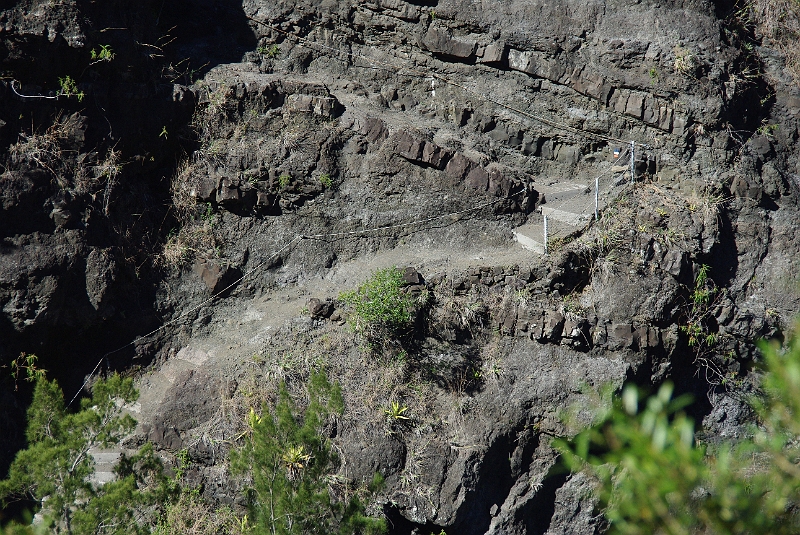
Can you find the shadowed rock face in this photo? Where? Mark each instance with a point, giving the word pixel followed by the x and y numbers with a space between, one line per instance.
pixel 229 131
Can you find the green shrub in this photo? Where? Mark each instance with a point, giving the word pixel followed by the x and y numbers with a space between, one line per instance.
pixel 69 88
pixel 291 466
pixel 272 52
pixel 103 54
pixel 325 180
pixel 654 477
pixel 381 309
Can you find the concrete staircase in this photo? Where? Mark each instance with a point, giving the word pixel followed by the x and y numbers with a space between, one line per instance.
pixel 152 389
pixel 569 207
pixel 104 463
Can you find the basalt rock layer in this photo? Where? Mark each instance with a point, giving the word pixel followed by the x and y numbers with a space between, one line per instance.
pixel 223 162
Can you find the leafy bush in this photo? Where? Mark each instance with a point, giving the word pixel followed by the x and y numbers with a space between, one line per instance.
pixel 381 309
pixel 697 315
pixel 291 466
pixel 655 478
pixel 69 88
pixel 272 51
pixel 103 54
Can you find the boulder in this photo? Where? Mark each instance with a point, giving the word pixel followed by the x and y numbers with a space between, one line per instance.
pixel 434 155
pixel 665 118
pixel 438 41
pixel 319 309
pixel 101 273
pixel 635 105
pixel 459 167
pixel 477 179
pixel 408 146
pixel 216 275
pixel 411 276
pixel 494 53
pixel 552 327
pixel 228 191
pixel 622 336
pixel 191 401
pixel 206 188
pixel 375 130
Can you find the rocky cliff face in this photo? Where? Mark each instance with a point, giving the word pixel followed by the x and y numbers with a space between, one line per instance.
pixel 268 152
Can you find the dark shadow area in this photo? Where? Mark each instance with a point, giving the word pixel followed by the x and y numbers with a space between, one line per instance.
pixel 724 256
pixel 69 355
pixel 425 3
pixel 500 468
pixel 768 203
pixel 538 512
pixel 12 420
pixel 455 369
pixel 687 377
pixel 400 525
pixel 726 8
pixel 754 97
pixel 207 32
pixel 18 512
pixel 128 104
pixel 570 272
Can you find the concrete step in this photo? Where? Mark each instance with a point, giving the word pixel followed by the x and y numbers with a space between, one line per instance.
pixel 560 223
pixel 530 236
pixel 570 218
pixel 104 463
pixel 560 191
pixel 101 478
pixel 569 206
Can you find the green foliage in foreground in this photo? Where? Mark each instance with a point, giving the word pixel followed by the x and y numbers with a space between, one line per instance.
pixel 382 310
pixel 291 467
pixel 654 478
pixel 53 471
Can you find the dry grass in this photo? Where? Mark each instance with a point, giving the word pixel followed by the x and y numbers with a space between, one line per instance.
pixel 685 62
pixel 609 240
pixel 707 204
pixel 47 151
pixel 463 312
pixel 195 238
pixel 779 21
pixel 190 515
pixel 184 191
pixel 82 173
pixel 195 235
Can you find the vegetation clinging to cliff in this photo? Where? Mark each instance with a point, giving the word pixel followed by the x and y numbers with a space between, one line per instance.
pixel 655 477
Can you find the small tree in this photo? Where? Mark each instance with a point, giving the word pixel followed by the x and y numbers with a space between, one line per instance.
pixel 290 464
pixel 54 470
pixel 655 478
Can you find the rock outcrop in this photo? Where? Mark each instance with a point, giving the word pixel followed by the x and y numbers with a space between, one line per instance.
pixel 232 163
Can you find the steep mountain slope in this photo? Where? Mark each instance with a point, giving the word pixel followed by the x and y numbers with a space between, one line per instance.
pixel 225 161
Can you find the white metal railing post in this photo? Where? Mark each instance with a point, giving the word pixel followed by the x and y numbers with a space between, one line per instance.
pixel 633 163
pixel 545 234
pixel 596 195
